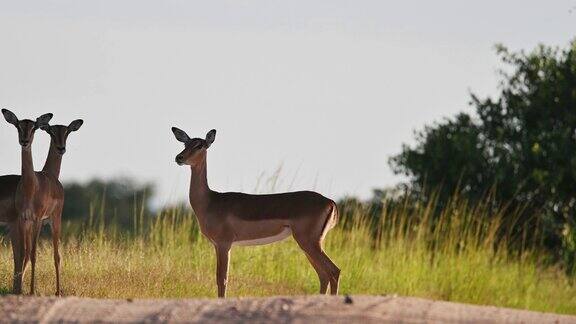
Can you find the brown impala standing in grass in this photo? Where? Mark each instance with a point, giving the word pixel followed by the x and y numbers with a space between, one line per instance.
pixel 27 200
pixel 234 218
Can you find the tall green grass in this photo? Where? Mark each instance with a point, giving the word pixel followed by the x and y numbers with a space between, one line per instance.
pixel 474 254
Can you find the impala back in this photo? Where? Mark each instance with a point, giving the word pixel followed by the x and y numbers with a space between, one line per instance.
pixel 8 185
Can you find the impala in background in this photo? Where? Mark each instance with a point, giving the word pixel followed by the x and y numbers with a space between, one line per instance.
pixel 234 218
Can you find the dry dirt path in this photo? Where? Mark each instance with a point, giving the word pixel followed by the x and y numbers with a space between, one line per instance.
pixel 310 309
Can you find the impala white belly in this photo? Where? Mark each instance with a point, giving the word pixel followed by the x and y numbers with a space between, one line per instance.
pixel 266 240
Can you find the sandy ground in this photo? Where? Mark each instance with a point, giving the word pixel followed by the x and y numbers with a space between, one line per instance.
pixel 310 309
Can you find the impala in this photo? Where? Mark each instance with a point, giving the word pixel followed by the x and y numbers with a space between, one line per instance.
pixel 234 218
pixel 28 200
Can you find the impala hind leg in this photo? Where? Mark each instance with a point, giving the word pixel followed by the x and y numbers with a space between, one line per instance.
pixel 222 261
pixel 309 238
pixel 322 275
pixel 333 271
pixel 315 252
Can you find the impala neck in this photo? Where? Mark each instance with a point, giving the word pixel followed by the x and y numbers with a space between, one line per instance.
pixel 28 178
pixel 53 161
pixel 199 190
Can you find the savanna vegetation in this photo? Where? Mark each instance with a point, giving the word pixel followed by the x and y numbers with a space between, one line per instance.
pixel 467 253
pixel 487 217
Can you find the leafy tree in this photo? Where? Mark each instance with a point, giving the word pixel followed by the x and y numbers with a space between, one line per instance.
pixel 449 155
pixel 522 144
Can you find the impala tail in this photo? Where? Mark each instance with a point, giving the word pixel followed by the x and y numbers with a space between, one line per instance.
pixel 331 220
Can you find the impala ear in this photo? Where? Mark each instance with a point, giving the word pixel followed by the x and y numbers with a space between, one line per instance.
pixel 42 121
pixel 180 135
pixel 210 137
pixel 10 117
pixel 75 125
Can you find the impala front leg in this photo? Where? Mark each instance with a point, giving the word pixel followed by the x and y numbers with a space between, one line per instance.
pixel 37 227
pixel 222 259
pixel 18 253
pixel 56 225
pixel 26 237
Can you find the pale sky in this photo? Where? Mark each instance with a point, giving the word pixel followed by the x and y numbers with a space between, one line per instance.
pixel 326 89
